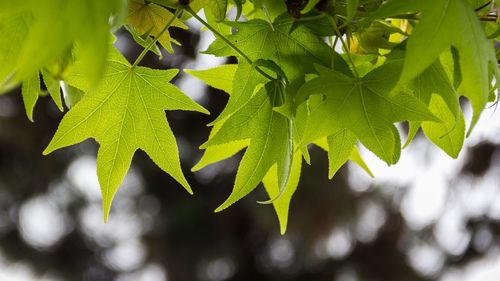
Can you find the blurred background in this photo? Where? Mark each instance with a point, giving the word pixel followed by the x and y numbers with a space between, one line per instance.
pixel 429 217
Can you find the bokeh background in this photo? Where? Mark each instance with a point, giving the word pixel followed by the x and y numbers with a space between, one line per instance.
pixel 427 218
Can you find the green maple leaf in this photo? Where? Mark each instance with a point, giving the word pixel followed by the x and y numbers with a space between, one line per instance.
pixel 283 197
pixel 219 77
pixel 242 89
pixel 270 138
pixel 53 85
pixel 264 9
pixel 13 30
pixel 222 77
pixel 124 113
pixel 30 92
pixel 218 8
pixel 71 94
pixel 446 23
pixel 434 88
pixel 150 19
pixel 341 147
pixel 294 48
pixel 364 106
pixel 51 28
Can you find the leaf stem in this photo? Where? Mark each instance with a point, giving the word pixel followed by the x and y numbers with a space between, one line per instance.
pixel 157 37
pixel 214 31
pixel 344 45
pixel 229 43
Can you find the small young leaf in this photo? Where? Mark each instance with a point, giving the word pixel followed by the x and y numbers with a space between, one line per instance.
pixel 144 40
pixel 151 19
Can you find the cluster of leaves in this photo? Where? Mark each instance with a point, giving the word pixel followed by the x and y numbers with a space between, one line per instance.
pixel 336 74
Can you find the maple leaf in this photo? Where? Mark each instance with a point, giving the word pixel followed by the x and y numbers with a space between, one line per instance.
pixel 280 193
pixel 124 113
pixel 443 24
pixel 292 47
pixel 218 8
pixel 13 30
pixel 282 197
pixel 434 88
pixel 30 92
pixel 270 141
pixel 54 26
pixel 341 147
pixel 221 78
pixel 365 106
pixel 149 19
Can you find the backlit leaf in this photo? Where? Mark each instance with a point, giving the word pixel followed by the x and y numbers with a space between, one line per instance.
pixel 124 113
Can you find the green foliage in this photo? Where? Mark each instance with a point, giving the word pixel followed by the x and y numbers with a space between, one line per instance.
pixel 123 114
pixel 401 61
pixel 147 20
pixel 446 23
pixel 364 106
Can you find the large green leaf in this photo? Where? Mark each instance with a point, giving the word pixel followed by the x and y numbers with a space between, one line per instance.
pixel 124 113
pixel 54 27
pixel 295 49
pixel 221 78
pixel 13 31
pixel 434 88
pixel 270 141
pixel 364 106
pixel 446 23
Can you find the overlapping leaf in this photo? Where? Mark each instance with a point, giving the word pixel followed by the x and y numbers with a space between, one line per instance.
pixel 149 19
pixel 434 88
pixel 47 29
pixel 270 141
pixel 294 50
pixel 446 23
pixel 123 114
pixel 364 106
pixel 341 147
pixel 222 78
pixel 30 92
pixel 282 198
